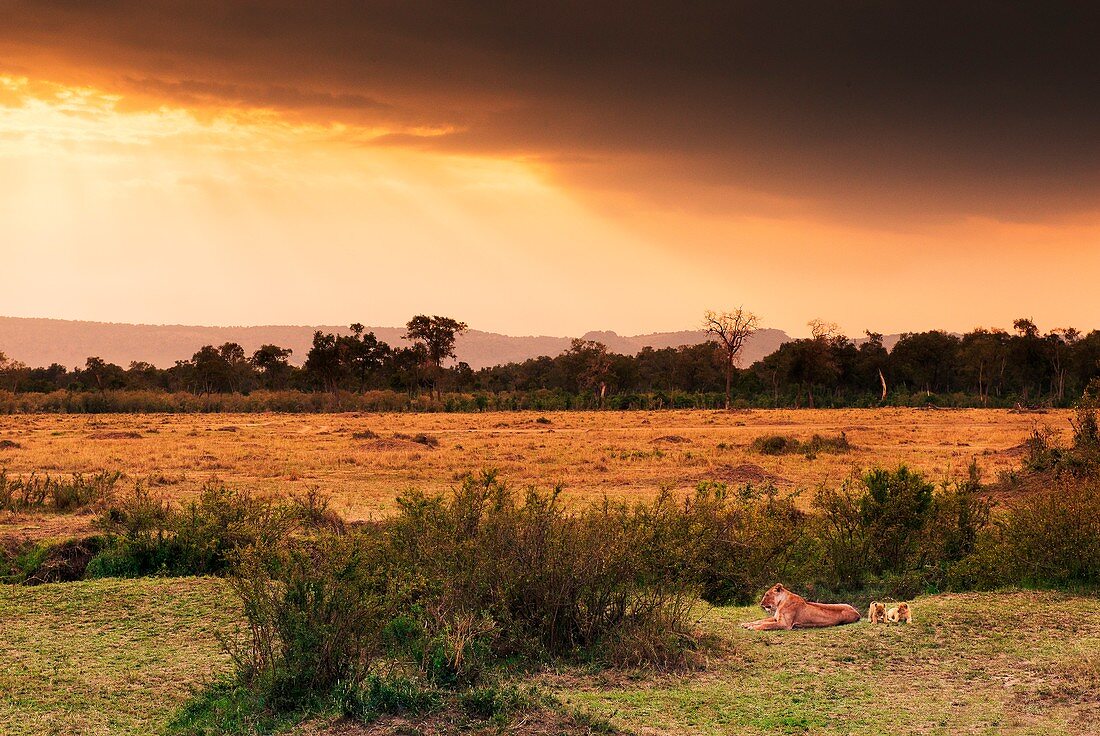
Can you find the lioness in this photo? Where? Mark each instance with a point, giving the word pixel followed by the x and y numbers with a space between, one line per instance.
pixel 899 614
pixel 791 611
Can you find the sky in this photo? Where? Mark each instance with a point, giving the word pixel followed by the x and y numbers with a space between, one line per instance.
pixel 551 168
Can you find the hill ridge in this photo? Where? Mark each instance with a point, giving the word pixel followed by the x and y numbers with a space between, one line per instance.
pixel 41 341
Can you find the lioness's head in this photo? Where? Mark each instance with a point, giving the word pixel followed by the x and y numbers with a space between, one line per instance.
pixel 773 598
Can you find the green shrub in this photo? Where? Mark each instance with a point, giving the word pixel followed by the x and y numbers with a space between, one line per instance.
pixel 521 574
pixel 1052 536
pixel 149 536
pixel 891 528
pixel 779 444
pixel 315 613
pixel 895 510
pixel 728 544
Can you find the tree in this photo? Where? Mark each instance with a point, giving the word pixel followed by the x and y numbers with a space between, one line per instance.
pixel 436 336
pixel 363 353
pixel 10 371
pixel 103 375
pixel 590 366
pixel 730 330
pixel 323 365
pixel 982 359
pixel 238 369
pixel 816 361
pixel 1060 347
pixel 871 361
pixel 273 363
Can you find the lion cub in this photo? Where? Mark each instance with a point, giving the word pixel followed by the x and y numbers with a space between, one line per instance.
pixel 877 612
pixel 900 613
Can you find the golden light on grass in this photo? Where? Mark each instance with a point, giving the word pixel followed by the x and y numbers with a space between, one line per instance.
pixel 620 455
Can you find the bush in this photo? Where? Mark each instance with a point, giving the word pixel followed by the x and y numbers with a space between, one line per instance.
pixel 315 615
pixel 779 444
pixel 895 510
pixel 148 536
pixel 523 575
pixel 1082 457
pixel 421 439
pixel 891 530
pixel 1052 536
pixel 729 544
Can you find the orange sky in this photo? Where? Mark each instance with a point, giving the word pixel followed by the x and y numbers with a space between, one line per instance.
pixel 159 165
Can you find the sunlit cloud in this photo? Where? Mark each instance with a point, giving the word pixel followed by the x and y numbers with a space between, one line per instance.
pixel 164 215
pixel 118 206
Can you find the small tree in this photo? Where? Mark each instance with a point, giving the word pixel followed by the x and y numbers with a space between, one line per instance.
pixel 273 363
pixel 436 335
pixel 730 330
pixel 591 364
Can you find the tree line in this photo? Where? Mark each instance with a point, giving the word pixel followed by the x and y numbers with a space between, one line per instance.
pixel 983 367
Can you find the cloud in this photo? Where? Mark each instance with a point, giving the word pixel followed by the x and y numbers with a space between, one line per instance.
pixel 912 113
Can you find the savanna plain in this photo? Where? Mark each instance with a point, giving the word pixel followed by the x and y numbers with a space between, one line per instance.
pixel 115 656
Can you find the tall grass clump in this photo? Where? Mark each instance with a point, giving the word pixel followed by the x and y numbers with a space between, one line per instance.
pixel 57 494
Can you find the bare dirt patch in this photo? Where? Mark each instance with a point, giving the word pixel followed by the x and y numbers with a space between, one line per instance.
pixel 393 444
pixel 671 439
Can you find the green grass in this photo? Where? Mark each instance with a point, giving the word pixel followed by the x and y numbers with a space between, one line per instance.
pixel 107 656
pixel 1020 663
pixel 125 656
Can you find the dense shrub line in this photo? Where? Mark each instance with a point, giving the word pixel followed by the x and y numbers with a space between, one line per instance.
pixel 124 401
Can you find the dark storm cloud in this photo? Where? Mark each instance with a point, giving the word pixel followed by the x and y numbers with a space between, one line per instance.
pixel 989 108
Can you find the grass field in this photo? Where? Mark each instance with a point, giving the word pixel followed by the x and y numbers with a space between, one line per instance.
pixel 618 454
pixel 120 657
pixel 106 657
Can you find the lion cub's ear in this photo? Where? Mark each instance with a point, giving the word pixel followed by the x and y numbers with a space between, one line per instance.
pixel 779 586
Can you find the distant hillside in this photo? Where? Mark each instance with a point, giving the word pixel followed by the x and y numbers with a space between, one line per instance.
pixel 40 342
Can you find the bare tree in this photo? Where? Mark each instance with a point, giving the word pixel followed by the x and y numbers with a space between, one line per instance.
pixel 730 330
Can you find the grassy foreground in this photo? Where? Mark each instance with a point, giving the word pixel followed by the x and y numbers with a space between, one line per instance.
pixel 982 663
pixel 107 656
pixel 120 657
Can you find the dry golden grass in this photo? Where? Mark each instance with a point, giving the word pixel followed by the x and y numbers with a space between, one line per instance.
pixel 617 454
